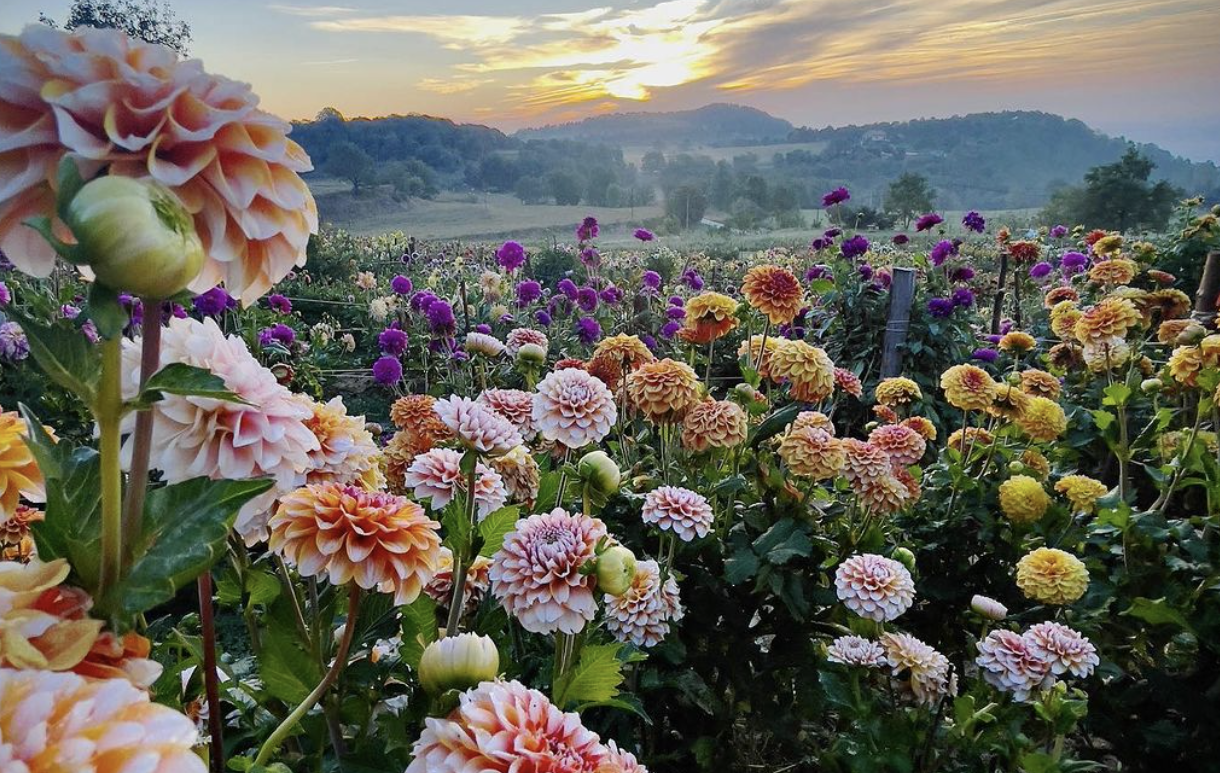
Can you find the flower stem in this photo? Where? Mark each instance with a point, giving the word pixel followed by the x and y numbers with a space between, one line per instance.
pixel 211 682
pixel 349 630
pixel 109 412
pixel 137 483
pixel 454 625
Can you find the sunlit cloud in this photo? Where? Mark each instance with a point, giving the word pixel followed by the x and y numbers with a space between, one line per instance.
pixel 456 32
pixel 312 11
pixel 328 62
pixel 451 85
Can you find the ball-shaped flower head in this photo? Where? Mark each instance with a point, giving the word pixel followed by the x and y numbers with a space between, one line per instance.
pixel 521 336
pixel 1170 304
pixel 346 450
pixel 1008 663
pixel 1052 576
pixel 138 110
pixel 1043 419
pixel 1037 464
pixel 903 444
pixel 814 419
pixel 1039 383
pixel 1063 648
pixel 809 452
pixel 1112 317
pixel 1117 271
pixel 437 476
pixel 1081 491
pixel 849 382
pixel 681 511
pixel 347 534
pixel 709 317
pixel 961 440
pixel 922 425
pixel 477 426
pixel 664 390
pixel 714 424
pixel 808 370
pixel 864 462
pixel 1106 354
pixel 897 391
pixel 483 344
pixel 1185 363
pixel 1023 500
pixel 416 415
pixel 774 291
pixel 619 761
pixel 1017 342
pixel 856 651
pixel 513 404
pixel 642 615
pixel 574 408
pixel 478 581
pixel 65 722
pixel 927 670
pixel 19 473
pixel 752 351
pixel 536 573
pixel 1009 402
pixel 1063 324
pixel 968 387
pixel 874 587
pixel 616 356
pixel 521 475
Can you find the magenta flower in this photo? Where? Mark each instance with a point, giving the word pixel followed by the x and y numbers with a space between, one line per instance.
pixel 644 235
pixel 837 196
pixel 387 371
pixel 279 303
pixel 510 256
pixel 928 222
pixel 588 229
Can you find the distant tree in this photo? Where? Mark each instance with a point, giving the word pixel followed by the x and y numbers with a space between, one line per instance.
pixel 867 217
pixel 723 185
pixel 597 183
pixel 755 189
pixel 1119 195
pixel 329 114
pixel 498 173
pixel 146 20
pixel 686 204
pixel 784 199
pixel 908 196
pixel 348 162
pixel 530 190
pixel 409 179
pixel 745 214
pixel 565 187
pixel 653 161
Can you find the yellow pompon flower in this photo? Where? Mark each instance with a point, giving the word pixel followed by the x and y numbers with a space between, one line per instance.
pixel 1040 383
pixel 1118 271
pixel 1036 463
pixel 774 291
pixel 1106 354
pixel 1063 325
pixel 714 424
pixel 1009 403
pixel 922 425
pixel 1082 491
pixel 1108 245
pixel 897 391
pixel 752 350
pixel 1052 576
pixel 664 390
pixel 976 436
pixel 1111 318
pixel 815 419
pixel 616 356
pixel 1043 419
pixel 1017 342
pixel 808 369
pixel 19 473
pixel 1057 295
pixel 709 317
pixel 1170 329
pixel 812 453
pixel 1023 500
pixel 1170 303
pixel 968 387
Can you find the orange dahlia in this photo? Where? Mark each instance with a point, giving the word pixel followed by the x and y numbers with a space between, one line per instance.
pixel 378 540
pixel 1040 383
pixel 923 426
pixel 16 544
pixel 709 317
pixel 664 390
pixel 903 444
pixel 1065 356
pixel 1017 342
pixel 19 473
pixel 1118 271
pixel 849 382
pixel 809 452
pixel 968 387
pixel 1170 329
pixel 976 437
pixel 1042 419
pixel 897 391
pixel 815 419
pixel 346 450
pixel 120 657
pixel 420 427
pixel 1111 318
pixel 1056 295
pixel 808 370
pixel 1063 324
pixel 1009 402
pixel 774 291
pixel 714 424
pixel 616 356
pixel 42 625
pixel 752 350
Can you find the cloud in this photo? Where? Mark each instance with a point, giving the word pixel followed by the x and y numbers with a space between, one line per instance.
pixel 312 11
pixel 451 85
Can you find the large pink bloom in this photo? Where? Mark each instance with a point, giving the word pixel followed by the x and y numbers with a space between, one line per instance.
pixel 536 573
pixel 136 110
pixel 642 615
pixel 573 408
pixel 437 475
pixel 682 511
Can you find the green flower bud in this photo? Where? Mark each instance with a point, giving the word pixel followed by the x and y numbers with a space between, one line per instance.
pixel 1014 379
pixel 616 570
pixel 905 557
pixel 531 355
pixel 1192 334
pixel 136 236
pixel 1016 466
pixel 1151 386
pixel 600 472
pixel 458 662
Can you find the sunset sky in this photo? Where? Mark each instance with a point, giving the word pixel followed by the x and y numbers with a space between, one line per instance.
pixel 1146 69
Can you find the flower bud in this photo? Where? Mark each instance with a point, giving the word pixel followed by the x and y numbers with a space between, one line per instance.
pixel 988 607
pixel 905 557
pixel 1191 334
pixel 1016 466
pixel 531 355
pixel 283 373
pixel 1151 386
pixel 616 570
pixel 135 236
pixel 1014 379
pixel 600 472
pixel 458 662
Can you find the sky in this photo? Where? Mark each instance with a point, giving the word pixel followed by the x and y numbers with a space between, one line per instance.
pixel 1148 70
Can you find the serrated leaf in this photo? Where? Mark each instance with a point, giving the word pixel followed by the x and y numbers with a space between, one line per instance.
pixel 740 567
pixel 495 527
pixel 288 672
pixel 458 531
pixel 419 629
pixel 64 354
pixel 180 379
pixel 785 540
pixel 594 679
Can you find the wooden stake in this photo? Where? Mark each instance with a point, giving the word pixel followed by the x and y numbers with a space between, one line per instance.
pixel 902 293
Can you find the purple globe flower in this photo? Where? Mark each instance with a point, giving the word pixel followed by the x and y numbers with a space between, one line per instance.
pixel 644 235
pixel 279 303
pixel 587 229
pixel 940 307
pixel 928 222
pixel 423 301
pixel 963 297
pixel 854 247
pixel 279 333
pixel 1040 270
pixel 692 279
pixel 900 239
pixel 973 221
pixel 6 297
pixel 1059 231
pixel 676 300
pixel 387 371
pixel 483 327
pixel 652 281
pixel 820 271
pixel 962 274
pixel 985 355
pixel 441 319
pixel 392 341
pixel 821 243
pixel 837 196
pixel 14 346
pixel 883 279
pixel 586 299
pixel 568 288
pixel 670 329
pixel 510 256
pixel 675 312
pixel 175 310
pixel 1006 326
pixel 1073 262
pixel 528 292
pixel 590 257
pixel 992 339
pixel 401 285
pixel 214 302
pixel 460 355
pixel 559 306
pixel 543 317
pixel 649 341
pixel 612 295
pixel 588 331
pixel 831 233
pixel 941 251
pixel 865 271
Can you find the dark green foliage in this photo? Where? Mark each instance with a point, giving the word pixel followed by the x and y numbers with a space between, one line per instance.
pixel 908 197
pixel 1118 196
pixel 145 20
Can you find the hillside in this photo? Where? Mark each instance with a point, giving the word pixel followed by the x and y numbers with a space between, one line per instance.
pixel 717 124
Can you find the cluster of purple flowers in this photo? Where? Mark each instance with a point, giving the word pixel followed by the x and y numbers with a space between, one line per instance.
pixel 528 292
pixel 820 271
pixel 900 239
pixel 691 278
pixel 973 221
pixel 279 333
pixel 854 247
pixel 387 370
pixel 1059 231
pixel 652 282
pixel 14 346
pixel 837 196
pixel 588 229
pixel 6 297
pixel 586 299
pixel 644 235
pixel 611 295
pixel 214 302
pixel 440 318
pixel 402 285
pixel 928 222
pixel 588 330
pixel 943 250
pixel 510 256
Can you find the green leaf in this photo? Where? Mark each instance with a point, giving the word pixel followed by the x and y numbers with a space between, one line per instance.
pixel 64 354
pixel 419 629
pixel 106 311
pixel 185 528
pixel 775 423
pixel 1157 612
pixel 784 541
pixel 821 286
pixel 594 679
pixel 495 527
pixel 729 485
pixel 741 566
pixel 458 531
pixel 1103 419
pixel 1116 394
pixel 181 379
pixel 68 183
pixel 288 672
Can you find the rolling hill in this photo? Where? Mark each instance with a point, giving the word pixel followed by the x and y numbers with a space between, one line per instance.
pixel 717 124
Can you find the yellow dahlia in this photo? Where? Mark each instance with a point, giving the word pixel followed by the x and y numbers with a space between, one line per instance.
pixel 1106 354
pixel 752 350
pixel 809 452
pixel 1170 329
pixel 1111 318
pixel 19 473
pixel 664 390
pixel 973 436
pixel 1082 491
pixel 1185 364
pixel 1065 356
pixel 616 356
pixel 968 387
pixel 897 391
pixel 1043 419
pixel 1051 576
pixel 1169 303
pixel 346 450
pixel 1017 342
pixel 921 425
pixel 1063 325
pixel 815 419
pixel 1057 295
pixel 1040 383
pixel 1118 271
pixel 1009 402
pixel 1022 499
pixel 709 317
pixel 808 370
pixel 774 291
pixel 714 424
pixel 1036 463
pixel 929 673
pixel 521 475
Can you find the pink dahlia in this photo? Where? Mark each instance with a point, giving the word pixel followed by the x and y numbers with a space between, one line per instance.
pixel 856 651
pixel 135 109
pixel 515 405
pixel 437 475
pixel 477 426
pixel 875 587
pixel 929 675
pixel 682 511
pixel 573 408
pixel 619 761
pixel 536 573
pixel 346 451
pixel 267 436
pixel 521 336
pixel 440 587
pixel 1063 648
pixel 849 382
pixel 1009 663
pixel 902 443
pixel 505 727
pixel 642 615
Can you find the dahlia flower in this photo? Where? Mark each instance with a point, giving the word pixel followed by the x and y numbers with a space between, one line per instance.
pixel 537 576
pixel 267 435
pixel 477 426
pixel 1017 342
pixel 643 613
pixel 849 382
pixel 616 356
pixel 808 369
pixel 709 317
pixel 513 404
pixel 682 511
pixel 347 534
pixel 16 543
pixel 574 408
pixel 421 428
pixel 714 424
pixel 753 351
pixel 484 344
pixel 436 475
pixel 1023 500
pixel 521 336
pixel 346 450
pixel 1042 419
pixel 810 452
pixel 774 291
pixel 478 581
pixel 1082 491
pixel 814 419
pixel 988 607
pixel 36 629
pixel 897 391
pixel 1106 354
pixel 1051 576
pixel 875 587
pixel 856 651
pixel 120 657
pixel 1118 271
pixel 1008 663
pixel 1062 648
pixel 928 671
pixel 924 426
pixel 1036 463
pixel 65 722
pixel 1040 383
pixel 664 390
pixel 903 444
pixel 968 388
pixel 969 437
pixel 1111 318
pixel 136 110
pixel 520 474
pixel 19 473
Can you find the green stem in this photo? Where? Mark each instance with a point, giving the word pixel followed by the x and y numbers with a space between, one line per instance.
pixel 349 630
pixel 461 562
pixel 141 443
pixel 109 412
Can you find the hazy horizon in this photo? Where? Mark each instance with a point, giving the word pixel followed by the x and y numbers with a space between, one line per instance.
pixel 1140 69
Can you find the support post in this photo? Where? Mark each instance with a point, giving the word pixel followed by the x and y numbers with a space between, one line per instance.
pixel 1209 288
pixel 902 292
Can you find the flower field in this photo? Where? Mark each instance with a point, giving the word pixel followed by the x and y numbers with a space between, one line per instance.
pixel 274 497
